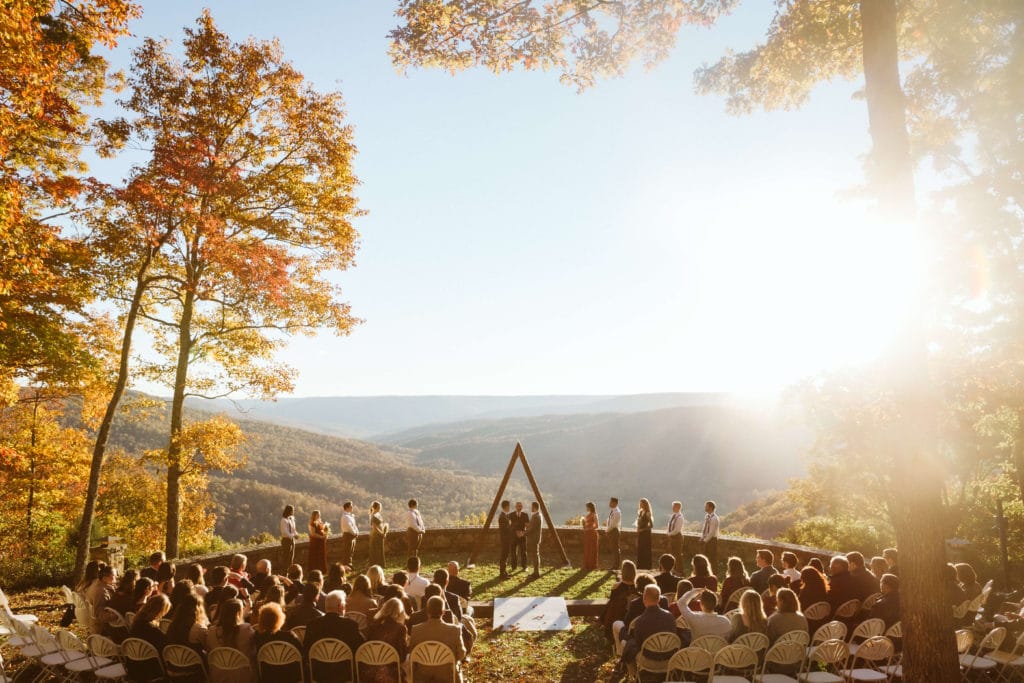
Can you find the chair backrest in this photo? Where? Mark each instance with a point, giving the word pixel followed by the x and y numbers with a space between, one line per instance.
pixel 361 621
pixel 129 618
pixel 330 651
pixel 796 636
pixel 68 595
pixel 657 643
pixel 870 601
pixel 992 640
pixel 734 599
pixel 280 653
pixel 818 611
pixel 832 651
pixel 869 628
pixel 833 630
pixel 300 633
pixel 964 640
pixel 877 649
pixel 138 650
pixel 431 653
pixel 101 646
pixel 227 659
pixel 164 625
pixel 377 653
pixel 758 642
pixel 69 641
pixel 847 609
pixel 732 612
pixel 114 618
pixel 181 658
pixel 44 640
pixel 784 653
pixel 735 658
pixel 689 660
pixel 896 631
pixel 710 643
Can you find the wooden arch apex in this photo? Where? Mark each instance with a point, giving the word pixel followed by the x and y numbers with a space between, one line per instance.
pixel 482 537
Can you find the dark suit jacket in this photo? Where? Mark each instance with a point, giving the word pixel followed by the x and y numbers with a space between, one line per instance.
pixel 453 605
pixel 667 582
pixel 759 579
pixel 332 625
pixel 887 609
pixel 505 526
pixel 865 582
pixel 300 615
pixel 149 573
pixel 841 588
pixel 636 608
pixel 420 616
pixel 533 530
pixel 460 587
pixel 518 520
pixel 653 620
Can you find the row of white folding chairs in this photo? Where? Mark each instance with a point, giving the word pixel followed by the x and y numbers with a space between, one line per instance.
pixel 986 658
pixel 64 656
pixel 828 662
pixel 371 653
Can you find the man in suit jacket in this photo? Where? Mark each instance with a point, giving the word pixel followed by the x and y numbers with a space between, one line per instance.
pixel 841 587
pixel 435 629
pixel 533 532
pixel 333 624
pixel 519 520
pixel 507 538
pixel 303 611
pixel 457 584
pixel 765 560
pixel 653 620
pixel 666 580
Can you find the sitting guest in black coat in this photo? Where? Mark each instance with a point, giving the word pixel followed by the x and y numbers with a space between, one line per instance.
pixel 333 624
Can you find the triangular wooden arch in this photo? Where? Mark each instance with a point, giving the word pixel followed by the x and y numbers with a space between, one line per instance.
pixel 517 455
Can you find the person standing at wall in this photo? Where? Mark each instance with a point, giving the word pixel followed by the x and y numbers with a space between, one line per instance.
pixel 288 535
pixel 612 531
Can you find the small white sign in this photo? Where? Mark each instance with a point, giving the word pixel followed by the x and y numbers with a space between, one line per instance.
pixel 531 614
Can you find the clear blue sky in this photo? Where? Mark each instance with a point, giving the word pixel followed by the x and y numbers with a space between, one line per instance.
pixel 524 239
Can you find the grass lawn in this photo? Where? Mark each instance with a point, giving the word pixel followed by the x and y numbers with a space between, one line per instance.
pixel 580 655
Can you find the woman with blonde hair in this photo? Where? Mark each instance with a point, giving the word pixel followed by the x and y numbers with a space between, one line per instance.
pixel 751 617
pixel 378 531
pixel 388 625
pixel 376 576
pixel 318 530
pixel 361 598
pixel 147 627
pixel 644 525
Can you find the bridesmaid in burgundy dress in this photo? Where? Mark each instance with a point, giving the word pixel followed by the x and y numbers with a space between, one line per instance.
pixel 318 531
pixel 590 524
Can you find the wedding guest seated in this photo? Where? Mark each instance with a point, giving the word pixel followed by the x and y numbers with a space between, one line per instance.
pixel 189 625
pixel 702 576
pixel 316 577
pixel 152 571
pixel 968 580
pixel 436 629
pixel 230 629
pixel 99 595
pixel 123 600
pixel 787 616
pixel 891 556
pixel 618 599
pixel 304 610
pixel 683 586
pixel 181 589
pixel 420 616
pixel 361 598
pixel 238 576
pixel 955 595
pixel 293 589
pixel 218 582
pixel 196 573
pixel 147 627
pixel 775 582
pixel 653 619
pixel 864 582
pixel 735 579
pixel 377 582
pixel 665 578
pixel 229 593
pixel 333 624
pixel 92 571
pixel 765 560
pixel 457 584
pixel 268 629
pixel 751 617
pixel 451 599
pixel 790 566
pixel 336 580
pixel 816 563
pixel 273 594
pixel 144 590
pixel 416 584
pixel 165 577
pixel 636 605
pixel 263 577
pixel 879 567
pixel 388 625
pixel 705 622
pixel 813 587
pixel 887 608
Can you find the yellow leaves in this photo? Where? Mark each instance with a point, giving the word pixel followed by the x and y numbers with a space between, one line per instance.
pixel 212 444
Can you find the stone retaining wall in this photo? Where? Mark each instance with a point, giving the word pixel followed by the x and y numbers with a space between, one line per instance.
pixel 456 543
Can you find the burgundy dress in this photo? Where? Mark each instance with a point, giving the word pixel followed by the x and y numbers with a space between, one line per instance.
pixel 590 541
pixel 317 547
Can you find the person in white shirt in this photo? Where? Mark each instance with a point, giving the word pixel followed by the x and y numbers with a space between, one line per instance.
pixel 612 530
pixel 675 532
pixel 416 584
pixel 706 622
pixel 288 535
pixel 414 529
pixel 709 535
pixel 349 532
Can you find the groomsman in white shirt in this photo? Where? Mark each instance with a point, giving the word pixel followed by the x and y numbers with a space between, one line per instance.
pixel 675 532
pixel 709 535
pixel 414 529
pixel 613 528
pixel 349 532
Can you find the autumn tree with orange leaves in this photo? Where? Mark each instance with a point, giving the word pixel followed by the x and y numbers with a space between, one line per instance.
pixel 249 189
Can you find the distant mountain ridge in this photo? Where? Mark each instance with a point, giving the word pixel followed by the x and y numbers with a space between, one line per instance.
pixel 371 417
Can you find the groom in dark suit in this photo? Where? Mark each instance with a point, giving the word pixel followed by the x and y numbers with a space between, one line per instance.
pixel 519 519
pixel 507 537
pixel 533 531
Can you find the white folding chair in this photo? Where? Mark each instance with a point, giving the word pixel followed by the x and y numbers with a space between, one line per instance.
pixel 361 621
pixel 91 661
pixel 758 642
pixel 819 611
pixel 833 630
pixel 655 652
pixel 784 653
pixel 832 656
pixel 1012 662
pixel 300 633
pixel 377 653
pixel 847 610
pixel 870 601
pixel 432 653
pixel 710 643
pixel 875 654
pixel 689 660
pixel 104 648
pixel 278 653
pixel 181 661
pixel 869 628
pixel 140 651
pixel 329 651
pixel 740 660
pixel 795 636
pixel 974 663
pixel 227 659
pixel 69 649
pixel 5 607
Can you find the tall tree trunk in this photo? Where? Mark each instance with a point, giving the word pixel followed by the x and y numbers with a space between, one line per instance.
pixel 103 433
pixel 918 513
pixel 177 411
